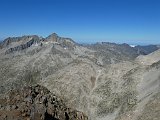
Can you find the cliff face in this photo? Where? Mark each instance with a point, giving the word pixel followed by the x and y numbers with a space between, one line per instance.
pixel 106 81
pixel 36 103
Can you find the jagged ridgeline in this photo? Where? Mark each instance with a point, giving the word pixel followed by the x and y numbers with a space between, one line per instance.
pixel 105 81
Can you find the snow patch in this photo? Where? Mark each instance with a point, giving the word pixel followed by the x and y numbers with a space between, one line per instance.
pixel 133 45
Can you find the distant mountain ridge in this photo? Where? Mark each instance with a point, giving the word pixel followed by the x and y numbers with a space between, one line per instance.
pixel 147 49
pixel 123 51
pixel 55 38
pixel 27 41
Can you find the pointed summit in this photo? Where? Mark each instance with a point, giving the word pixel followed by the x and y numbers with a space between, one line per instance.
pixel 53 34
pixel 53 37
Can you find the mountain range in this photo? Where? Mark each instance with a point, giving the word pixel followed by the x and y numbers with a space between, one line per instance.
pixel 105 81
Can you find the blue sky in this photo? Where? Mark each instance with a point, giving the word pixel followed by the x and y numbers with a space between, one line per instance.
pixel 85 21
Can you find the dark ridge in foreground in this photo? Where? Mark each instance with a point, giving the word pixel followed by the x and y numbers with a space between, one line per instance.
pixel 36 103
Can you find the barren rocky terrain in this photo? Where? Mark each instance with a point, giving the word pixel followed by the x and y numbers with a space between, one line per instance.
pixel 36 103
pixel 105 81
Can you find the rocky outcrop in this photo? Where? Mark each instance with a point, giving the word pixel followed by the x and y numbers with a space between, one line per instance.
pixel 36 103
pixel 21 47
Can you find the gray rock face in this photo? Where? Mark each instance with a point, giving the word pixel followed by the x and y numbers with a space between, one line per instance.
pixel 10 40
pixel 22 47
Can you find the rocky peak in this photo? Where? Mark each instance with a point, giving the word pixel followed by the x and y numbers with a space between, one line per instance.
pixel 53 37
pixel 64 42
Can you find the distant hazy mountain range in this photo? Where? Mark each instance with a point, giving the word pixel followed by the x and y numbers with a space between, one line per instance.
pixel 105 81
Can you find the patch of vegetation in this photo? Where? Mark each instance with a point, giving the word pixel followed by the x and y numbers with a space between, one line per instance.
pixel 104 90
pixel 125 100
pixel 128 101
pixel 108 105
